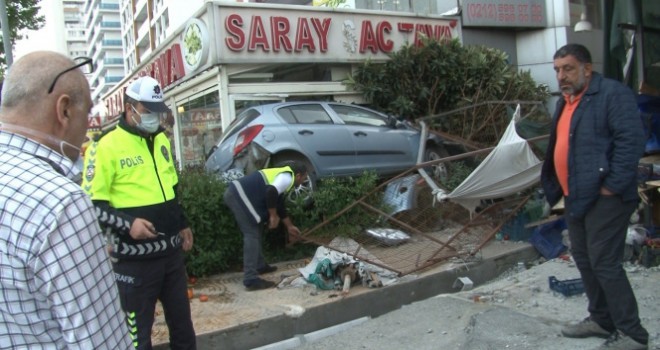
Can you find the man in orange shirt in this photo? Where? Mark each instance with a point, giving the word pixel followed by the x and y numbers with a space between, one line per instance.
pixel 591 161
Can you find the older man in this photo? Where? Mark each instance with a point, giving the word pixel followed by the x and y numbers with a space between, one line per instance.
pixel 57 286
pixel 591 161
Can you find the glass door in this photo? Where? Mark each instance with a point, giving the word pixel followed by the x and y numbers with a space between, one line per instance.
pixel 200 126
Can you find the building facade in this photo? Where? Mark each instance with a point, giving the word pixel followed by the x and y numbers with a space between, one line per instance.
pixel 231 55
pixel 145 24
pixel 101 18
pixel 226 56
pixel 74 28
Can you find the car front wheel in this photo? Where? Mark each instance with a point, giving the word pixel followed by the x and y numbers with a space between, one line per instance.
pixel 308 186
pixel 439 171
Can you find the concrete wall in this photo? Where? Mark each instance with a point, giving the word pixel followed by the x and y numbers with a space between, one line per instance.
pixel 499 39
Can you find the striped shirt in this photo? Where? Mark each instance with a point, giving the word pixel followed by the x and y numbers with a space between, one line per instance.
pixel 57 289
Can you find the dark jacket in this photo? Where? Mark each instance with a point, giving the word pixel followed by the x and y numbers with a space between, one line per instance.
pixel 251 192
pixel 605 144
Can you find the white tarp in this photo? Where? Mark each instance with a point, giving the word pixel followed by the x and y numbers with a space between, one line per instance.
pixel 511 167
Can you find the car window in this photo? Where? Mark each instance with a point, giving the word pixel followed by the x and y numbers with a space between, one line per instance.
pixel 305 114
pixel 243 119
pixel 357 116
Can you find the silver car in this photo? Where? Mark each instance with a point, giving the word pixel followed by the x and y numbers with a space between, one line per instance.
pixel 332 139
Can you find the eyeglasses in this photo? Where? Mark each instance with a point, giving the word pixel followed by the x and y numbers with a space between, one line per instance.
pixel 85 64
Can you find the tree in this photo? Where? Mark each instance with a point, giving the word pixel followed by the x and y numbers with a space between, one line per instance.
pixel 439 76
pixel 22 14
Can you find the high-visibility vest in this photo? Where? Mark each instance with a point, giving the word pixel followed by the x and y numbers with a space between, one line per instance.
pixel 121 169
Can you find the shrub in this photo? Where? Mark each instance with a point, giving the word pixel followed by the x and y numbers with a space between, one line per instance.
pixel 427 80
pixel 218 242
pixel 332 196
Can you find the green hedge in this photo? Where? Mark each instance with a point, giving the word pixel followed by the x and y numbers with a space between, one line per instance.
pixel 218 243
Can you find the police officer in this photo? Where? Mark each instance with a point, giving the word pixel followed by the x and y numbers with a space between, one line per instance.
pixel 258 198
pixel 131 178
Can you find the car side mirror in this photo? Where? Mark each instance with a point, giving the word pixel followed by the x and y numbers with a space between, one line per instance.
pixel 392 121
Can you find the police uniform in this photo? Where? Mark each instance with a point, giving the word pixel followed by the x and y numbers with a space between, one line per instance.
pixel 128 176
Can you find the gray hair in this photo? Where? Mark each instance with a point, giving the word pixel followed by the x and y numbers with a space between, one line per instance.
pixel 578 51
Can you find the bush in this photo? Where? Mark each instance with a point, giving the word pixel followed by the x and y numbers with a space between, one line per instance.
pixel 218 243
pixel 332 196
pixel 427 80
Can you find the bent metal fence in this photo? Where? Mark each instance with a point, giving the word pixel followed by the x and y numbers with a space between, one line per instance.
pixel 414 239
pixel 405 229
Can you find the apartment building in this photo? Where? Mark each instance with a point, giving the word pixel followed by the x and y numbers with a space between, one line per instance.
pixel 145 24
pixel 104 45
pixel 74 28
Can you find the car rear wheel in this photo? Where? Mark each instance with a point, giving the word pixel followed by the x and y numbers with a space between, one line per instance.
pixel 305 189
pixel 440 171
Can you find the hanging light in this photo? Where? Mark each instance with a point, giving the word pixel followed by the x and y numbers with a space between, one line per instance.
pixel 583 25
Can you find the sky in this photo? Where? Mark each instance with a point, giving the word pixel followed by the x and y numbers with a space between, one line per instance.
pixel 43 39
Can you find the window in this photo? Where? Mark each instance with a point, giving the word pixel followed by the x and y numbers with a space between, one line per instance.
pixel 201 126
pixel 243 119
pixel 305 114
pixel 358 116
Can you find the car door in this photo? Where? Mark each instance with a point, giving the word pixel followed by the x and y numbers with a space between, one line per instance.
pixel 327 144
pixel 379 146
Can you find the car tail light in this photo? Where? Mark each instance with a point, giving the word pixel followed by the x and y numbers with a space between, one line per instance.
pixel 245 137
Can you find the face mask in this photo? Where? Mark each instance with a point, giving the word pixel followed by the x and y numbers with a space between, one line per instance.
pixel 149 121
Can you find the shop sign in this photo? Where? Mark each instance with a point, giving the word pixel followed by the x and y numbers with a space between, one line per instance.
pixel 257 35
pixel 504 13
pixel 167 68
pixel 94 122
pixel 195 44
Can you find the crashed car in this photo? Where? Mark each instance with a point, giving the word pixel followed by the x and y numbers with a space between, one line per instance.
pixel 332 139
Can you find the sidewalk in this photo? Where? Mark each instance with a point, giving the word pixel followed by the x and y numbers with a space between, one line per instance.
pixel 517 311
pixel 236 319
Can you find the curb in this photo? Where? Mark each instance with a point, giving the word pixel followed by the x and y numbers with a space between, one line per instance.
pixel 294 330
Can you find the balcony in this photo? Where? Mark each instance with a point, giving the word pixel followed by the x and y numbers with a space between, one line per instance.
pixel 108 6
pixel 143 35
pixel 113 79
pixel 111 42
pixel 112 61
pixel 110 24
pixel 140 13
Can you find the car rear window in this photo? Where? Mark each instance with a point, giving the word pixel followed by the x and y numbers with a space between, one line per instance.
pixel 305 114
pixel 243 119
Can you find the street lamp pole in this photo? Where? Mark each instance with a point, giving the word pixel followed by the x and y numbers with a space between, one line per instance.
pixel 6 38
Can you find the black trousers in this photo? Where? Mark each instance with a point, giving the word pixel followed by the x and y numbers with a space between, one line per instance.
pixel 597 244
pixel 141 283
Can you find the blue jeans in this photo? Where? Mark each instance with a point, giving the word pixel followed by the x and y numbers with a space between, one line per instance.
pixel 253 257
pixel 597 244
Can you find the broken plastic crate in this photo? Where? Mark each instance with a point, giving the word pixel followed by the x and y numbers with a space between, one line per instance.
pixel 547 239
pixel 566 287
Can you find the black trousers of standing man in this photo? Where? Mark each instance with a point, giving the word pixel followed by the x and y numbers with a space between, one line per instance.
pixel 597 245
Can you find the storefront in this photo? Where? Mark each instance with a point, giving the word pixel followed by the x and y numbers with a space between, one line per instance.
pixel 232 55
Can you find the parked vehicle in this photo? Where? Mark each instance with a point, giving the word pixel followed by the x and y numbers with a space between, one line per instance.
pixel 332 139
